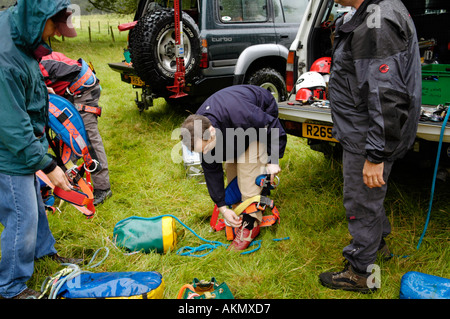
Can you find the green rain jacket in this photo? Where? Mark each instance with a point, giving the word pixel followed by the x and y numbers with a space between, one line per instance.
pixel 23 94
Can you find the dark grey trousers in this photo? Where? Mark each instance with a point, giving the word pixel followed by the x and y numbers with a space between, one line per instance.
pixel 364 206
pixel 100 180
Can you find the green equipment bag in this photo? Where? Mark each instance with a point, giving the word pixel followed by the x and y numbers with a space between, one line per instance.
pixel 146 234
pixel 201 289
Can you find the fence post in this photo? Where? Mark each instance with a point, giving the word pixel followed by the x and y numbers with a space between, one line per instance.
pixel 112 34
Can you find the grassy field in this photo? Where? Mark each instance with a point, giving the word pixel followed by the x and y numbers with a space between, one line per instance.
pixel 146 182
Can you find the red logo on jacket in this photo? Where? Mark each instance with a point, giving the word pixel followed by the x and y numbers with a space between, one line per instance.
pixel 384 68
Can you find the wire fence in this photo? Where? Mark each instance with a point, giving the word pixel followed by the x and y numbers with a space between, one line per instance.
pixel 101 27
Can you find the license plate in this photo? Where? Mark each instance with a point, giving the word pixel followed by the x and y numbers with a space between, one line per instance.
pixel 135 80
pixel 318 132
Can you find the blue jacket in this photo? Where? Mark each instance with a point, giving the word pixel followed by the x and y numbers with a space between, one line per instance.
pixel 239 107
pixel 23 94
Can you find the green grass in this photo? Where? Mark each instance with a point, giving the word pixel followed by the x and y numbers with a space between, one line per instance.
pixel 146 182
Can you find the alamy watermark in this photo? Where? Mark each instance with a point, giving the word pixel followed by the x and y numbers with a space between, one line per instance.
pixel 374 18
pixel 374 279
pixel 74 20
pixel 234 141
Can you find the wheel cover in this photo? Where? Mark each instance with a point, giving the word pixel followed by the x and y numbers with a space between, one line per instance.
pixel 167 50
pixel 272 89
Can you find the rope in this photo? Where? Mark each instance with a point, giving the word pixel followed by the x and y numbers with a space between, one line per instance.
pixel 210 245
pixel 55 282
pixel 436 166
pixel 444 124
pixel 191 251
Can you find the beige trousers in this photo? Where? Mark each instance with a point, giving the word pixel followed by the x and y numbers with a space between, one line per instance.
pixel 247 167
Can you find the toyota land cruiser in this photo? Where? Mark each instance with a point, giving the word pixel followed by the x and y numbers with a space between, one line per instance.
pixel 225 42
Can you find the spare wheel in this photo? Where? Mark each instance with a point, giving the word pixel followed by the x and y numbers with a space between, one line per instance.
pixel 153 49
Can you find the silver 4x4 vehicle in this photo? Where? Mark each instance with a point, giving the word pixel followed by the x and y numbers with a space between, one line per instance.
pixel 225 42
pixel 313 42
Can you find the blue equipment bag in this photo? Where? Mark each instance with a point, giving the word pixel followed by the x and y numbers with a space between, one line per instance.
pixel 114 285
pixel 416 285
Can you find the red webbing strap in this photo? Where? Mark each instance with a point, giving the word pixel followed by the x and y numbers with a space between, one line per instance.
pixel 229 232
pixel 89 109
pixel 79 199
pixel 73 197
pixel 216 223
pixel 66 152
pixel 271 219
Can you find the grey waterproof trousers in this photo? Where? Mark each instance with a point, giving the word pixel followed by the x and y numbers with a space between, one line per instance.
pixel 100 180
pixel 367 221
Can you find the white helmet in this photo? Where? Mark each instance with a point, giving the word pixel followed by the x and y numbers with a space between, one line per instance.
pixel 310 80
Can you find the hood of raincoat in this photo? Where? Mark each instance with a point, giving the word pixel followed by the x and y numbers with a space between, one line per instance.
pixel 23 93
pixel 28 18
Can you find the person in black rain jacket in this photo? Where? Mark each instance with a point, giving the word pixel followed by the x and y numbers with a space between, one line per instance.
pixel 375 98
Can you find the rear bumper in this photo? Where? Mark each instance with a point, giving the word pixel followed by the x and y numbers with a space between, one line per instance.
pixel 122 67
pixel 296 113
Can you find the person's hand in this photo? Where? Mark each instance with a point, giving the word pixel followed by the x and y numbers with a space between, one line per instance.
pixel 59 179
pixel 272 169
pixel 50 90
pixel 373 174
pixel 230 217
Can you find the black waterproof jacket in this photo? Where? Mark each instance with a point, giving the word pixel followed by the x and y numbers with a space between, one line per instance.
pixel 375 83
pixel 237 112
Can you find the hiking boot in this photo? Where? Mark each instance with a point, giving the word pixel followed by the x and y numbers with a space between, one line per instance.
pixel 65 260
pixel 348 279
pixel 383 251
pixel 27 294
pixel 244 237
pixel 101 195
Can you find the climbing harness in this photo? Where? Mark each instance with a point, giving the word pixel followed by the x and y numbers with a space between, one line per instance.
pixel 68 127
pixel 251 205
pixel 81 196
pixel 68 139
pixel 84 80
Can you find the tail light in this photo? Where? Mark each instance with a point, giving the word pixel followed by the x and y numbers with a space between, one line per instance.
pixel 204 59
pixel 290 78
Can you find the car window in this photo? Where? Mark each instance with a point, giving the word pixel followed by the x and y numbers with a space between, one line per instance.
pixel 289 11
pixel 334 11
pixel 232 11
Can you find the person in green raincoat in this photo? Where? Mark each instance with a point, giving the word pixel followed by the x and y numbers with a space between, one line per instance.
pixel 23 145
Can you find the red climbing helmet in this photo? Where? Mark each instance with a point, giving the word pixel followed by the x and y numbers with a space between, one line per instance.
pixel 321 65
pixel 303 95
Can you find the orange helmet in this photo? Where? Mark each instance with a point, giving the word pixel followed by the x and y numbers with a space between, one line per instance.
pixel 322 65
